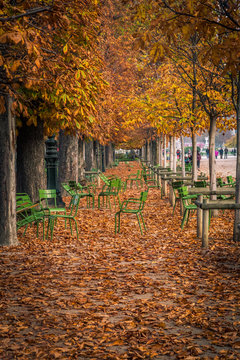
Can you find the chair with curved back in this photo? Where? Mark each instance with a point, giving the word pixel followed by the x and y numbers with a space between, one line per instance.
pixel 132 206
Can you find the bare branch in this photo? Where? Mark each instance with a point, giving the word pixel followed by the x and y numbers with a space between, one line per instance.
pixel 27 13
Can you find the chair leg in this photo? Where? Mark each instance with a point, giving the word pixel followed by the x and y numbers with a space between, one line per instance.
pixel 70 224
pixel 76 227
pixel 99 202
pixel 52 227
pixel 143 222
pixel 139 224
pixel 184 218
pixel 116 222
pixel 119 221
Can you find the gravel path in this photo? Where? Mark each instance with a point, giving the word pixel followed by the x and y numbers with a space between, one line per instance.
pixel 224 167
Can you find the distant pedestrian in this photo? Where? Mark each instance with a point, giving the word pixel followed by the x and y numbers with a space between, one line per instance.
pixel 221 153
pixel 198 159
pixel 207 153
pixel 225 153
pixel 216 154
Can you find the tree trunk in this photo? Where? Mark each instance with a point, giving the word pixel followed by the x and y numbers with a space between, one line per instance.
pixel 8 233
pixel 107 163
pixel 31 174
pixel 161 150
pixel 212 160
pixel 148 151
pixel 81 159
pixel 154 152
pixel 158 150
pixel 236 232
pixel 165 152
pixel 194 157
pixel 110 154
pixel 174 155
pixel 171 152
pixel 89 155
pixel 183 155
pixel 68 158
pixel 95 154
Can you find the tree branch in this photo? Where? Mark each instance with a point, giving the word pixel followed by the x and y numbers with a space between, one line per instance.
pixel 27 13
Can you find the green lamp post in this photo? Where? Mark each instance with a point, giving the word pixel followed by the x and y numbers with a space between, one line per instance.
pixel 51 158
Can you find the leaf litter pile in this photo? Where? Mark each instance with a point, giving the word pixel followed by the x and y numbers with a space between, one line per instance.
pixel 125 296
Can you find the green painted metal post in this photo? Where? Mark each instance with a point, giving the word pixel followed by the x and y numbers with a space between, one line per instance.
pixel 51 158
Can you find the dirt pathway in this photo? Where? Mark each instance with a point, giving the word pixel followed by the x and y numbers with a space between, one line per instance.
pixel 157 296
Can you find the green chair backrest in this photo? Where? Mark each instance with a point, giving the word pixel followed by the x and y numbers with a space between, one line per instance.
pixel 200 183
pixel 115 185
pixel 182 191
pixel 104 178
pixel 220 182
pixel 68 189
pixel 23 197
pixel 230 179
pixel 74 205
pixel 143 198
pixel 49 194
pixel 177 184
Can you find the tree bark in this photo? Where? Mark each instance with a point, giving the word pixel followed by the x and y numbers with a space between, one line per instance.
pixel 194 157
pixel 154 152
pixel 165 152
pixel 81 159
pixel 171 153
pixel 31 174
pixel 89 155
pixel 174 155
pixel 161 150
pixel 95 155
pixel 236 231
pixel 68 158
pixel 212 160
pixel 183 155
pixel 148 151
pixel 8 233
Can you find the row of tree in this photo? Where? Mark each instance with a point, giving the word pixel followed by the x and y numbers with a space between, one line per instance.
pixel 189 74
pixel 113 71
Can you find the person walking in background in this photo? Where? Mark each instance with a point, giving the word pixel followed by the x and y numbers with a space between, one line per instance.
pixel 221 153
pixel 225 153
pixel 207 153
pixel 198 159
pixel 216 154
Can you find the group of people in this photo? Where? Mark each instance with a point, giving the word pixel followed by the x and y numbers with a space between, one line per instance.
pixel 221 152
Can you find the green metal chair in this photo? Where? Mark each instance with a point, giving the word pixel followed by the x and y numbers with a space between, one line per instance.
pixel 29 213
pixel 83 191
pixel 71 217
pixel 200 183
pixel 132 206
pixel 230 180
pixel 150 181
pixel 137 178
pixel 176 185
pixel 221 183
pixel 188 206
pixel 108 191
pixel 49 200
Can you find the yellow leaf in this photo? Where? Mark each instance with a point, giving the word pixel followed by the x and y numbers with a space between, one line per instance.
pixel 65 49
pixel 77 75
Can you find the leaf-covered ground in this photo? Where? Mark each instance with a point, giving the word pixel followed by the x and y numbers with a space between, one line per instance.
pixel 126 296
